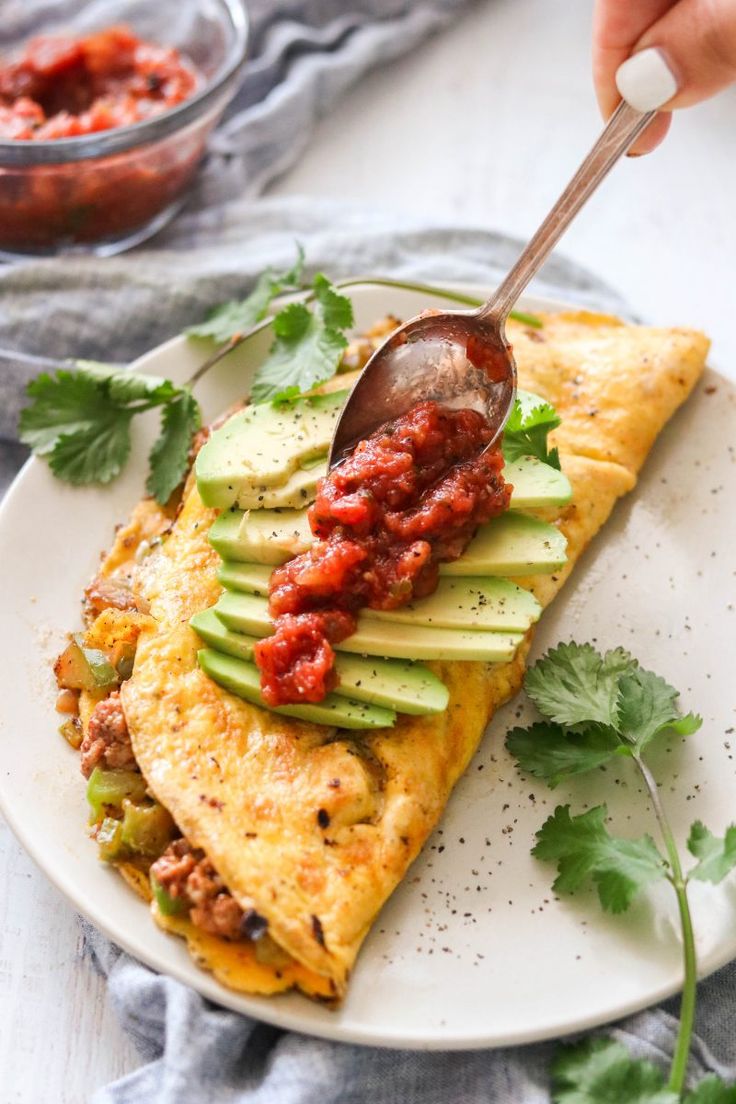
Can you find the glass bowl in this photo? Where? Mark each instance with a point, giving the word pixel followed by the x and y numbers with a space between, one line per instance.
pixel 105 192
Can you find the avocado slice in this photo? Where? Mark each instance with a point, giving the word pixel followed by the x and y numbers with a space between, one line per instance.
pixel 262 446
pixel 244 679
pixel 251 578
pixel 511 544
pixel 274 536
pixel 299 490
pixel 536 484
pixel 463 602
pixel 248 613
pixel 490 604
pixel 406 687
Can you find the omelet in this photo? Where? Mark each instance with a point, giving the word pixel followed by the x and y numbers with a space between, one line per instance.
pixel 310 828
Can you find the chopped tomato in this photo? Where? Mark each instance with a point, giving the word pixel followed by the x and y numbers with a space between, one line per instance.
pixel 79 86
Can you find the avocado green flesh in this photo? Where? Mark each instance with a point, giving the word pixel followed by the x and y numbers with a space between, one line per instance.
pixel 408 687
pixel 536 484
pixel 263 446
pixel 490 604
pixel 299 490
pixel 244 680
pixel 511 544
pixel 248 613
pixel 251 578
pixel 274 536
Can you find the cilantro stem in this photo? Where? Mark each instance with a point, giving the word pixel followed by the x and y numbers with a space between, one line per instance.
pixel 679 884
pixel 445 293
pixel 377 281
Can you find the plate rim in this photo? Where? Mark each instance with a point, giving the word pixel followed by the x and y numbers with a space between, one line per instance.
pixel 268 1010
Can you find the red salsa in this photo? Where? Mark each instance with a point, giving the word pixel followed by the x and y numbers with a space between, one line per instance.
pixel 63 87
pixel 409 497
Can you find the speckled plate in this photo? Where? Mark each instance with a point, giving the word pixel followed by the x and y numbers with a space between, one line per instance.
pixel 473 949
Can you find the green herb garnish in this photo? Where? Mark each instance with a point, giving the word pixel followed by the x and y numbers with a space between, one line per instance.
pixel 79 419
pixel 230 321
pixel 596 707
pixel 526 432
pixel 308 346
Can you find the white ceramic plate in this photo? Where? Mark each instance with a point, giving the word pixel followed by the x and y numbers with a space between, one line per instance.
pixel 472 950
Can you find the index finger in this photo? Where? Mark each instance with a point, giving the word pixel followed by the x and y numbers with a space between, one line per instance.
pixel 617 27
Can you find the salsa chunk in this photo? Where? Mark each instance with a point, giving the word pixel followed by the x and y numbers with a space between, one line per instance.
pixel 62 87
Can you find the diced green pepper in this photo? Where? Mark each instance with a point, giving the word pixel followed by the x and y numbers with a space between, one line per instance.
pixel 268 953
pixel 71 730
pixel 110 840
pixel 147 829
pixel 167 905
pixel 123 659
pixel 82 668
pixel 112 787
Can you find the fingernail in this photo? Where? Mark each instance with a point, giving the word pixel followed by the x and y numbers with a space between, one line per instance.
pixel 645 80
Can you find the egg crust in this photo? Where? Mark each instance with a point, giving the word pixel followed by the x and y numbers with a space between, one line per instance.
pixel 312 827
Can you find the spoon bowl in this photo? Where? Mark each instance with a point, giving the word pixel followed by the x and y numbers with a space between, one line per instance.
pixel 455 358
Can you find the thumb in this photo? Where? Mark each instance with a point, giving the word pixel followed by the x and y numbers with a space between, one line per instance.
pixel 698 40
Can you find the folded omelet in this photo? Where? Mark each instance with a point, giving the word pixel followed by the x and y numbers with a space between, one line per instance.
pixel 311 828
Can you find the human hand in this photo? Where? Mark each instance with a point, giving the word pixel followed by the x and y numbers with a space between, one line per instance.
pixel 696 37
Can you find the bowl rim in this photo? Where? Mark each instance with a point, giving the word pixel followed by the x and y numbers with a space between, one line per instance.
pixel 24 153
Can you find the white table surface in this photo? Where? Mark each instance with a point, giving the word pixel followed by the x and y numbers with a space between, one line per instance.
pixel 500 110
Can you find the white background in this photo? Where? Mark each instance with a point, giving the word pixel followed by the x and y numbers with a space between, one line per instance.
pixel 483 125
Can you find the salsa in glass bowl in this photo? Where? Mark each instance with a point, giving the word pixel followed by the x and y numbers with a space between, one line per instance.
pixel 103 126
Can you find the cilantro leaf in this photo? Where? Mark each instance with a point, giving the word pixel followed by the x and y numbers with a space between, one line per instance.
pixel 170 454
pixel 552 753
pixel 711 1090
pixel 80 420
pixel 717 856
pixel 337 309
pixel 574 684
pixel 68 402
pixel 95 454
pixel 308 345
pixel 601 1071
pixel 647 706
pixel 525 433
pixel 236 317
pixel 583 848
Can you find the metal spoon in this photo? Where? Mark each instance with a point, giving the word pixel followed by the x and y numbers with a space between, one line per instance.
pixel 461 358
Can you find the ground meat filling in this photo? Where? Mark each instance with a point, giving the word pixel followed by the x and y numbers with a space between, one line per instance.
pixel 408 498
pixel 107 740
pixel 188 875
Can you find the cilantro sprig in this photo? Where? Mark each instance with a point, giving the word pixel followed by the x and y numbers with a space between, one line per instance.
pixel 79 420
pixel 233 320
pixel 596 708
pixel 526 432
pixel 309 339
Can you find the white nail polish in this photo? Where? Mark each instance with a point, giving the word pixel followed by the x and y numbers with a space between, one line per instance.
pixel 645 80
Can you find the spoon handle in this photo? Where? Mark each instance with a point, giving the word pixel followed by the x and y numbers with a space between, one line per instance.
pixel 624 126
